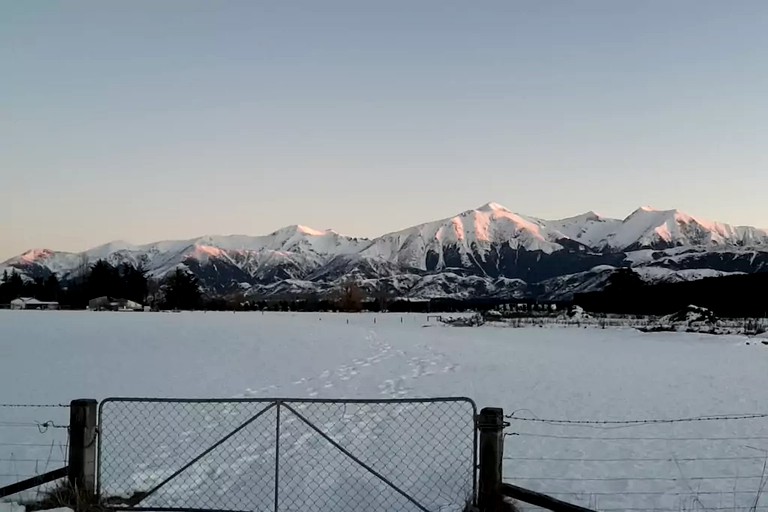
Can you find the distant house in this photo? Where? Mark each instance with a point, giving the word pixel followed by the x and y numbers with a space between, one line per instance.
pixel 32 303
pixel 113 304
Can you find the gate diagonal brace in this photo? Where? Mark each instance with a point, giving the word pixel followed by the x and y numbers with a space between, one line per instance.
pixel 141 496
pixel 355 459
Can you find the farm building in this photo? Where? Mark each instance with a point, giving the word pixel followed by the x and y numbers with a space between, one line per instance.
pixel 32 303
pixel 113 304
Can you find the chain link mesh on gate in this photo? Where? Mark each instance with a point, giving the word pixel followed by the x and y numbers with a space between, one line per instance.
pixel 287 455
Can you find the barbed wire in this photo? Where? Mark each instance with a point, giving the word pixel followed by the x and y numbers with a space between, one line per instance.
pixel 638 438
pixel 632 478
pixel 631 423
pixel 632 459
pixel 20 445
pixel 653 483
pixel 33 406
pixel 657 509
pixel 39 459
pixel 42 427
pixel 18 424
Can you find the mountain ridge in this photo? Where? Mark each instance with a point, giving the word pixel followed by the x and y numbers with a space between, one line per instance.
pixel 486 250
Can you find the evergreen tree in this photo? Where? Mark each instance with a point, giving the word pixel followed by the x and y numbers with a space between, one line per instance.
pixel 624 280
pixel 134 283
pixel 351 298
pixel 35 288
pixel 5 297
pixel 182 290
pixel 51 289
pixel 14 286
pixel 103 280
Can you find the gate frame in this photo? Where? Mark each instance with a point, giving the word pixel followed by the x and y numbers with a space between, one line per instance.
pixel 279 403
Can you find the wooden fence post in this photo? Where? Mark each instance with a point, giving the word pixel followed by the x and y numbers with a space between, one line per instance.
pixel 82 445
pixel 490 423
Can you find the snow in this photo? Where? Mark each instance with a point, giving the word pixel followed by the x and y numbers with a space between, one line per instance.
pixel 661 274
pixel 576 313
pixel 11 507
pixel 647 227
pixel 472 230
pixel 689 315
pixel 308 247
pixel 103 251
pixel 300 252
pixel 576 374
pixel 287 239
pixel 589 228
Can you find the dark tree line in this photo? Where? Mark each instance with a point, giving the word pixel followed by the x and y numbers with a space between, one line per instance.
pixel 179 290
pixel 12 286
pixel 738 296
pixel 104 280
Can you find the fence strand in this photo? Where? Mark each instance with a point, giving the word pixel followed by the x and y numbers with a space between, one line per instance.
pixel 632 478
pixel 647 438
pixel 632 459
pixel 662 490
pixel 33 406
pixel 722 417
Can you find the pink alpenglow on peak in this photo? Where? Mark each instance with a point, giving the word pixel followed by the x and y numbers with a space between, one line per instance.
pixel 34 255
pixel 492 207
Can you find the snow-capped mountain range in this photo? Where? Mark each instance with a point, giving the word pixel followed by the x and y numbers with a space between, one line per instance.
pixel 486 252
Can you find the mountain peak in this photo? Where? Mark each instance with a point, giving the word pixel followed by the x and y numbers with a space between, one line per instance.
pixel 301 230
pixel 492 207
pixel 584 217
pixel 33 255
pixel 650 209
pixel 647 211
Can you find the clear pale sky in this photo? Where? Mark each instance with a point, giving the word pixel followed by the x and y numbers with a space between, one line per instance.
pixel 146 120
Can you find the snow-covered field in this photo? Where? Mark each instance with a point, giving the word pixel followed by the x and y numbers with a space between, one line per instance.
pixel 575 374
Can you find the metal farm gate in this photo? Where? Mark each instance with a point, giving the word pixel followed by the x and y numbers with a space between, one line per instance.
pixel 297 455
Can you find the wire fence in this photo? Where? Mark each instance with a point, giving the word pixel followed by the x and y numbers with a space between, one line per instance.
pixel 715 462
pixel 33 440
pixel 253 454
pixel 748 326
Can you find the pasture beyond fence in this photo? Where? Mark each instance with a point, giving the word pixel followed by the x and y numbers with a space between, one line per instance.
pixel 441 455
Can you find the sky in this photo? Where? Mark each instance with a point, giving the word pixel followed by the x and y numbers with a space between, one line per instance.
pixel 146 120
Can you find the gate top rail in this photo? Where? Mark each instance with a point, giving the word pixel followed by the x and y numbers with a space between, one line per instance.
pixel 296 400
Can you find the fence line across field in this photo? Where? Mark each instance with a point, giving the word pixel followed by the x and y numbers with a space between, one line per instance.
pixel 678 466
pixel 405 454
pixel 34 444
